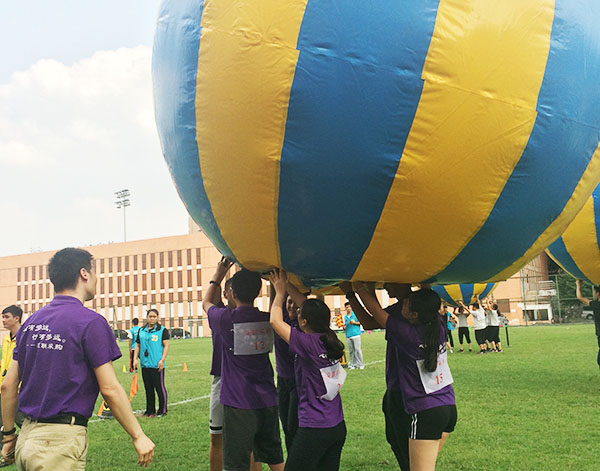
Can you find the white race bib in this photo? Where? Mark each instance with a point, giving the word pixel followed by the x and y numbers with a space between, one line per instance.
pixel 333 377
pixel 435 380
pixel 252 338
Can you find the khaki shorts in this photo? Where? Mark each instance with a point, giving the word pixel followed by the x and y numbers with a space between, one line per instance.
pixel 51 447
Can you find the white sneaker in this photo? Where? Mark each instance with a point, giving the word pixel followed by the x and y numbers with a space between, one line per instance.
pixel 361 367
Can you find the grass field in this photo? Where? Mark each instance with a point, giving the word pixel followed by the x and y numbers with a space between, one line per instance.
pixel 534 407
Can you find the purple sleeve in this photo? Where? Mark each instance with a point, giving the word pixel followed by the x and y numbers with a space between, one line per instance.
pixel 99 343
pixel 214 317
pixel 395 330
pixel 300 343
pixel 20 334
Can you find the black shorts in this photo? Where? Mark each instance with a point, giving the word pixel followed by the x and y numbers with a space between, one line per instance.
pixel 247 430
pixel 429 424
pixel 493 333
pixel 480 336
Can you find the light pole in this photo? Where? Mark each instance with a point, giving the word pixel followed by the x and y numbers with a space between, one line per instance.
pixel 123 202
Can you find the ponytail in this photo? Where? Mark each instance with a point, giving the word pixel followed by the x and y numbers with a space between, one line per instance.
pixel 426 303
pixel 333 345
pixel 318 317
pixel 495 308
pixel 432 343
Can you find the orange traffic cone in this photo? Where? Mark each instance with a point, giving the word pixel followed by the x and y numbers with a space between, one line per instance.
pixel 184 367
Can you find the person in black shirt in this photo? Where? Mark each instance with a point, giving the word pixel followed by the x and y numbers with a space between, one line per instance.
pixel 595 305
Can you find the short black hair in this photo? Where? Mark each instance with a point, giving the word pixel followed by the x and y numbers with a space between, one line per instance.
pixel 64 267
pixel 152 310
pixel 16 311
pixel 347 303
pixel 135 321
pixel 246 285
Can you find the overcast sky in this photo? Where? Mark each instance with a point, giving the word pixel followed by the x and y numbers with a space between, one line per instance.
pixel 77 124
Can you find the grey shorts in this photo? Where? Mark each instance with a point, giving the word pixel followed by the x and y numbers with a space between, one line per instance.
pixel 251 430
pixel 216 408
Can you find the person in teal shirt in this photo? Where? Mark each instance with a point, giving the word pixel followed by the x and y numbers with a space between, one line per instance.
pixel 353 339
pixel 132 337
pixel 150 352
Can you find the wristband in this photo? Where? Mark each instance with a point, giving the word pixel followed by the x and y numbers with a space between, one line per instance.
pixel 9 432
pixel 213 282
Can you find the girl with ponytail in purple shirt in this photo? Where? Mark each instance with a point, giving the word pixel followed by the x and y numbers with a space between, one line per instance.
pixel 318 442
pixel 419 336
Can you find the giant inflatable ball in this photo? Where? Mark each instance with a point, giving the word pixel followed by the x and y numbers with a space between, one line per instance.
pixel 388 140
pixel 578 250
pixel 466 293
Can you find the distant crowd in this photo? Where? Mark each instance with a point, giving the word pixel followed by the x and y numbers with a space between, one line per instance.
pixel 487 320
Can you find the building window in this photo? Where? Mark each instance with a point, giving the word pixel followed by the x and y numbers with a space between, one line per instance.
pixel 170 258
pixel 179 279
pixel 100 265
pixel 18 274
pixel 153 281
pixel 170 279
pixel 143 261
pixel 162 259
pixel 135 262
pixel 118 264
pixel 32 273
pixel 152 260
pixel 19 291
pixel 197 256
pixel 127 263
pixel 110 265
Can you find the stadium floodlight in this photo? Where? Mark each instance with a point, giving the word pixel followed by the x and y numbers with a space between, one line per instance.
pixel 122 202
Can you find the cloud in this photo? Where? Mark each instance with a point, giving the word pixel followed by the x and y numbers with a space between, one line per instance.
pixel 70 136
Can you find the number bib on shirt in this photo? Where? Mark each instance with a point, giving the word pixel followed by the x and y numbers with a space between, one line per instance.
pixel 252 338
pixel 435 380
pixel 333 377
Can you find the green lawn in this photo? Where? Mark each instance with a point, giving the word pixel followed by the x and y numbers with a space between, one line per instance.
pixel 534 407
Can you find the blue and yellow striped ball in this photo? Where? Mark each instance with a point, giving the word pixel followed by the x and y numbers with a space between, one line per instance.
pixel 578 250
pixel 380 140
pixel 467 293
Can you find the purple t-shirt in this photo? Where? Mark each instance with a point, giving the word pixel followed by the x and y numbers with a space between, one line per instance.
pixel 313 411
pixel 58 348
pixel 284 359
pixel 407 338
pixel 246 380
pixel 392 362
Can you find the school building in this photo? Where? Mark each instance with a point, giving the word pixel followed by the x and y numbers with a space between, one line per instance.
pixel 169 274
